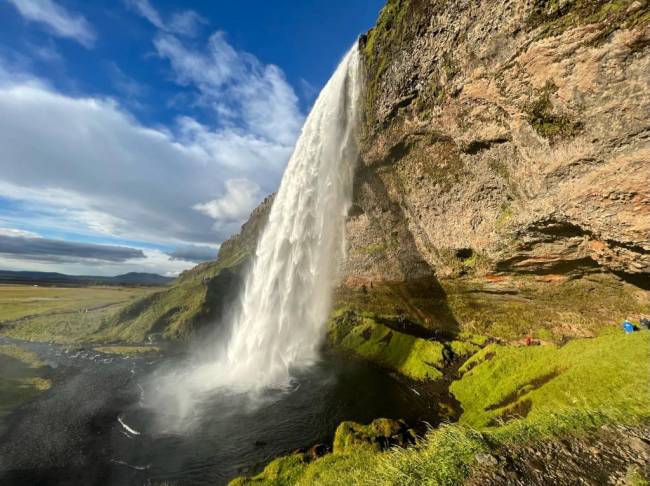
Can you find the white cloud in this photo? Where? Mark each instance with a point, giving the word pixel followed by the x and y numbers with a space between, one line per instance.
pixel 86 166
pixel 57 19
pixel 124 83
pixel 17 233
pixel 239 199
pixel 186 22
pixel 101 169
pixel 258 97
pixel 98 170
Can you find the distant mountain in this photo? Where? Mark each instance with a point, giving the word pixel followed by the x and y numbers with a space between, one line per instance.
pixel 51 278
pixel 138 278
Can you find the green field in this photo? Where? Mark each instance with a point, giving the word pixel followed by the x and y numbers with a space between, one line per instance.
pixel 61 314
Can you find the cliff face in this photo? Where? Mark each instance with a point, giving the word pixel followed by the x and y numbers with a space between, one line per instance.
pixel 514 129
pixel 505 168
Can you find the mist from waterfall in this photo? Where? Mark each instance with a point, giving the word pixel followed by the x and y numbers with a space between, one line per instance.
pixel 279 322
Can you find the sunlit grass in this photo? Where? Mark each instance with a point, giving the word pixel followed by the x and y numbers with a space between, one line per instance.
pixel 60 314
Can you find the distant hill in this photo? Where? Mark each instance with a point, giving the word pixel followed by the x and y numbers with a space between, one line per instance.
pixel 53 278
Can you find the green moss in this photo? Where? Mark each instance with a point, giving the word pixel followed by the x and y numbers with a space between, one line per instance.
pixel 484 354
pixel 552 17
pixel 543 119
pixel 573 389
pixel 504 216
pixel 377 436
pixel 635 477
pixel 377 248
pixel 283 471
pixel 463 349
pixel 606 373
pixel 382 42
pixel 414 357
pixel 475 339
pixel 421 302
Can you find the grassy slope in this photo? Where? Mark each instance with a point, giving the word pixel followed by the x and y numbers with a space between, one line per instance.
pixel 603 380
pixel 415 357
pixel 195 298
pixel 22 301
pixel 175 312
pixel 608 372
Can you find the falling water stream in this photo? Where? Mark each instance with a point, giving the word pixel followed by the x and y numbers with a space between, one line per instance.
pixel 287 294
pixel 278 324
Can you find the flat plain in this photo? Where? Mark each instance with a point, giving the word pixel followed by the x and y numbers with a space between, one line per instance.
pixel 60 314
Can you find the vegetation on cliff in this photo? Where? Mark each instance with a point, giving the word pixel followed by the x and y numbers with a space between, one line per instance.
pixel 198 297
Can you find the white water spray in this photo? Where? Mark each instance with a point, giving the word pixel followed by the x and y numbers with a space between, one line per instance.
pixel 286 297
pixel 279 323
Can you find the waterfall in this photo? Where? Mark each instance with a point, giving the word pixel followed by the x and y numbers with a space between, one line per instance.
pixel 286 298
pixel 279 322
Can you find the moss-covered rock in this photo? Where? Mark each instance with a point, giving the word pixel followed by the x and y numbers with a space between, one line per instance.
pixel 414 357
pixel 379 435
pixel 283 471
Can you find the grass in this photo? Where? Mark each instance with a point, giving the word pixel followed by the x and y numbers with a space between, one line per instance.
pixel 60 314
pixel 602 381
pixel 177 312
pixel 417 358
pixel 27 357
pixel 26 301
pixel 609 372
pixel 127 350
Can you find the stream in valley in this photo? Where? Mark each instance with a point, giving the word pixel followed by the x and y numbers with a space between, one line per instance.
pixel 92 428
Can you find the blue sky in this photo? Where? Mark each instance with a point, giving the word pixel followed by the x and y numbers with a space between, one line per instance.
pixel 150 128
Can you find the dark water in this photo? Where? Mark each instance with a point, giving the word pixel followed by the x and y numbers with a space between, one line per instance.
pixel 72 435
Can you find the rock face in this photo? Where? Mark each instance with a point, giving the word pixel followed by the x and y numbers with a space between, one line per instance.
pixel 506 157
pixel 517 130
pixel 612 455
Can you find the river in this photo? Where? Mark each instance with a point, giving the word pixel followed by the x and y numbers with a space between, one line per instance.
pixel 93 428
